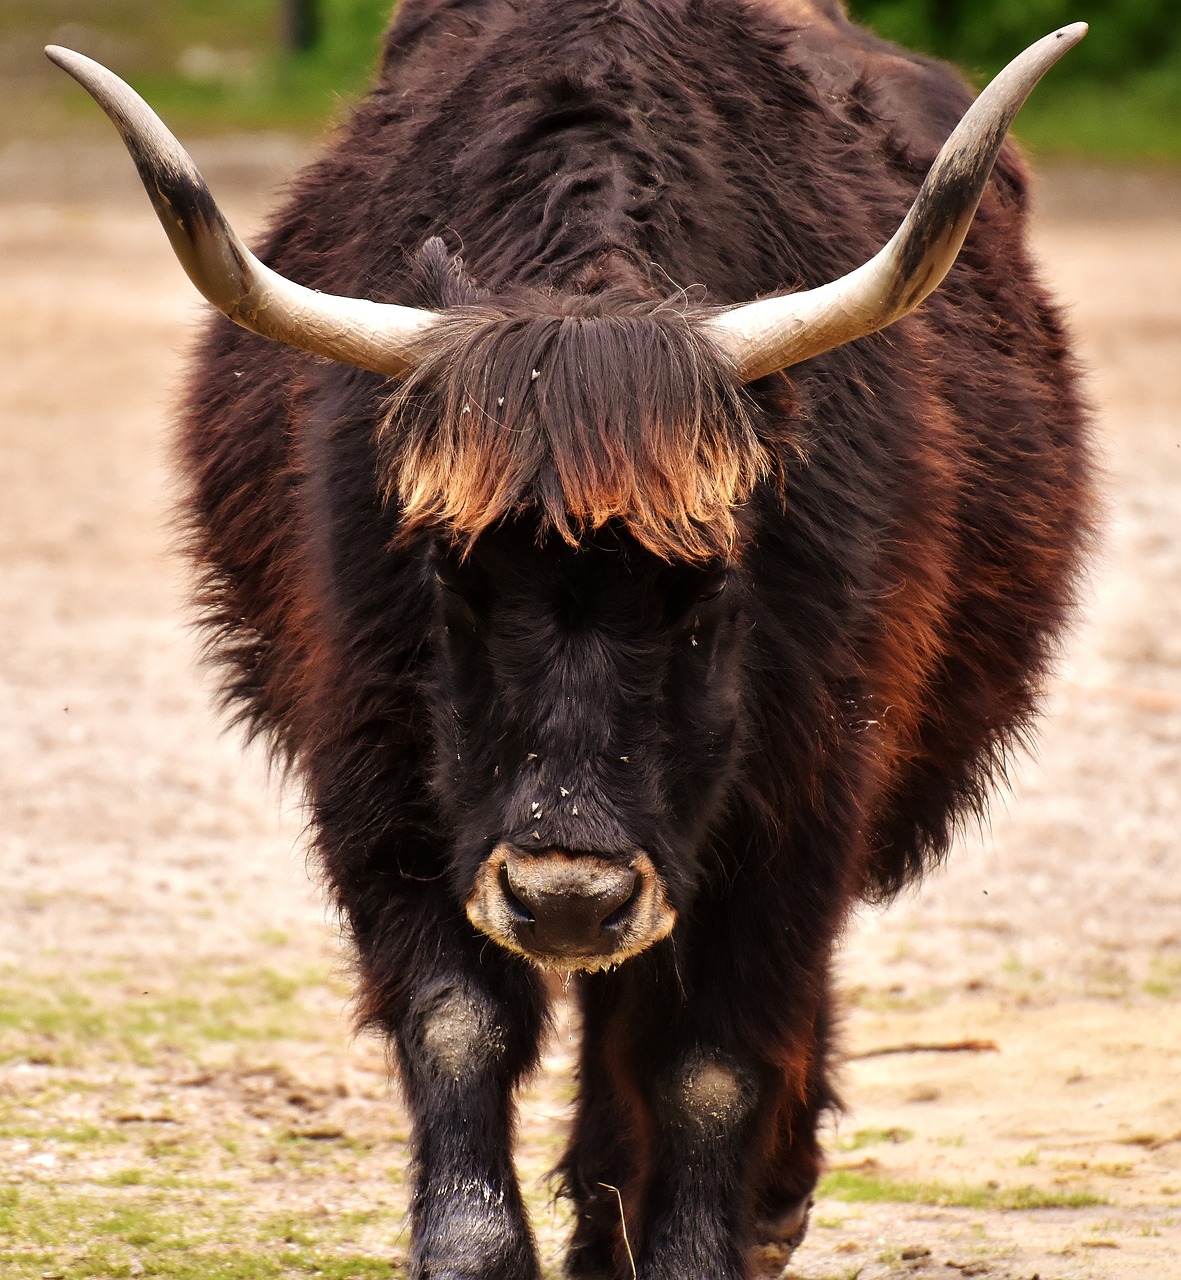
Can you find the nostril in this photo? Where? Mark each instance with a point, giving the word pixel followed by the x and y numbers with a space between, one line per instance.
pixel 516 907
pixel 617 917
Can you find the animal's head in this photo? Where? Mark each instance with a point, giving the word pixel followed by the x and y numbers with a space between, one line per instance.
pixel 580 468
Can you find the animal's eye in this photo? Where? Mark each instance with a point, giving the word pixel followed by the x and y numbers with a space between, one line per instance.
pixel 462 595
pixel 453 574
pixel 710 584
pixel 687 587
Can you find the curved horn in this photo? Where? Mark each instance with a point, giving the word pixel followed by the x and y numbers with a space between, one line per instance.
pixel 370 335
pixel 763 337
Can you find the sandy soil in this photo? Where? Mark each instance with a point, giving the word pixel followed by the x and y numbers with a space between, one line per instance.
pixel 142 852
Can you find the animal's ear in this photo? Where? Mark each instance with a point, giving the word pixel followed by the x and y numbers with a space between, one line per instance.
pixel 762 337
pixel 370 335
pixel 440 280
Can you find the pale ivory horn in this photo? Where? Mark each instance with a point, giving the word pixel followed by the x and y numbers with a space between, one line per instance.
pixel 773 333
pixel 370 335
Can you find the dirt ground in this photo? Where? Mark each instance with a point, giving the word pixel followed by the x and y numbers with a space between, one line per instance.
pixel 178 1085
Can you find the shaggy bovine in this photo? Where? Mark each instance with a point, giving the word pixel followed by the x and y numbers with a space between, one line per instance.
pixel 616 621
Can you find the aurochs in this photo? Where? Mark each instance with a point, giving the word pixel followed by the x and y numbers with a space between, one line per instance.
pixel 638 593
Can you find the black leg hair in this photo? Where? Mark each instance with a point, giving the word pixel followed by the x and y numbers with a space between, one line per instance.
pixel 462 1053
pixel 601 1165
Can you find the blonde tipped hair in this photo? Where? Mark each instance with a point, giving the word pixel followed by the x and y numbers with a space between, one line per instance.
pixel 627 416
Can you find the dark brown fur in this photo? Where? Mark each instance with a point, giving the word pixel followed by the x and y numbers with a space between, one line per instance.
pixel 437 606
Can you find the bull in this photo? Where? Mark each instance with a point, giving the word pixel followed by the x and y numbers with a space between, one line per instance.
pixel 638 565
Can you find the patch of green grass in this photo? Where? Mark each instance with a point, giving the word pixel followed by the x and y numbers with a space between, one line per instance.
pixel 326 1140
pixel 154 1180
pixel 1108 979
pixel 886 1000
pixel 1164 977
pixel 874 1138
pixel 59 1024
pixel 861 1188
pixel 81 1086
pixel 98 1263
pixel 78 1135
pixel 289 1230
pixel 1013 968
pixel 60 1014
pixel 144 1227
pixel 88 1238
pixel 43 1219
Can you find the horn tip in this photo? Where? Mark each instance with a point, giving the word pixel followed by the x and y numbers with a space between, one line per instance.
pixel 1072 33
pixel 70 61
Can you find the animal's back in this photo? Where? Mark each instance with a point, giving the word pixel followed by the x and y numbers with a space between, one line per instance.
pixel 919 560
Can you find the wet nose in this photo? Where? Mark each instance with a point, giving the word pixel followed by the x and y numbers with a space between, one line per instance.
pixel 568 910
pixel 568 905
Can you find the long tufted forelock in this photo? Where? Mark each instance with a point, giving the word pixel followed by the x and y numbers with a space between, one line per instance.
pixel 587 410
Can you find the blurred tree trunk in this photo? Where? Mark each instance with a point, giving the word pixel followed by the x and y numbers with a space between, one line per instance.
pixel 300 23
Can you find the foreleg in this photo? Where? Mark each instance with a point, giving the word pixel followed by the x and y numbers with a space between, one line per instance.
pixel 463 1042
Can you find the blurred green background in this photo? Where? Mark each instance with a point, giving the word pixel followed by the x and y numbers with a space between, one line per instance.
pixel 233 64
pixel 1117 95
pixel 206 64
